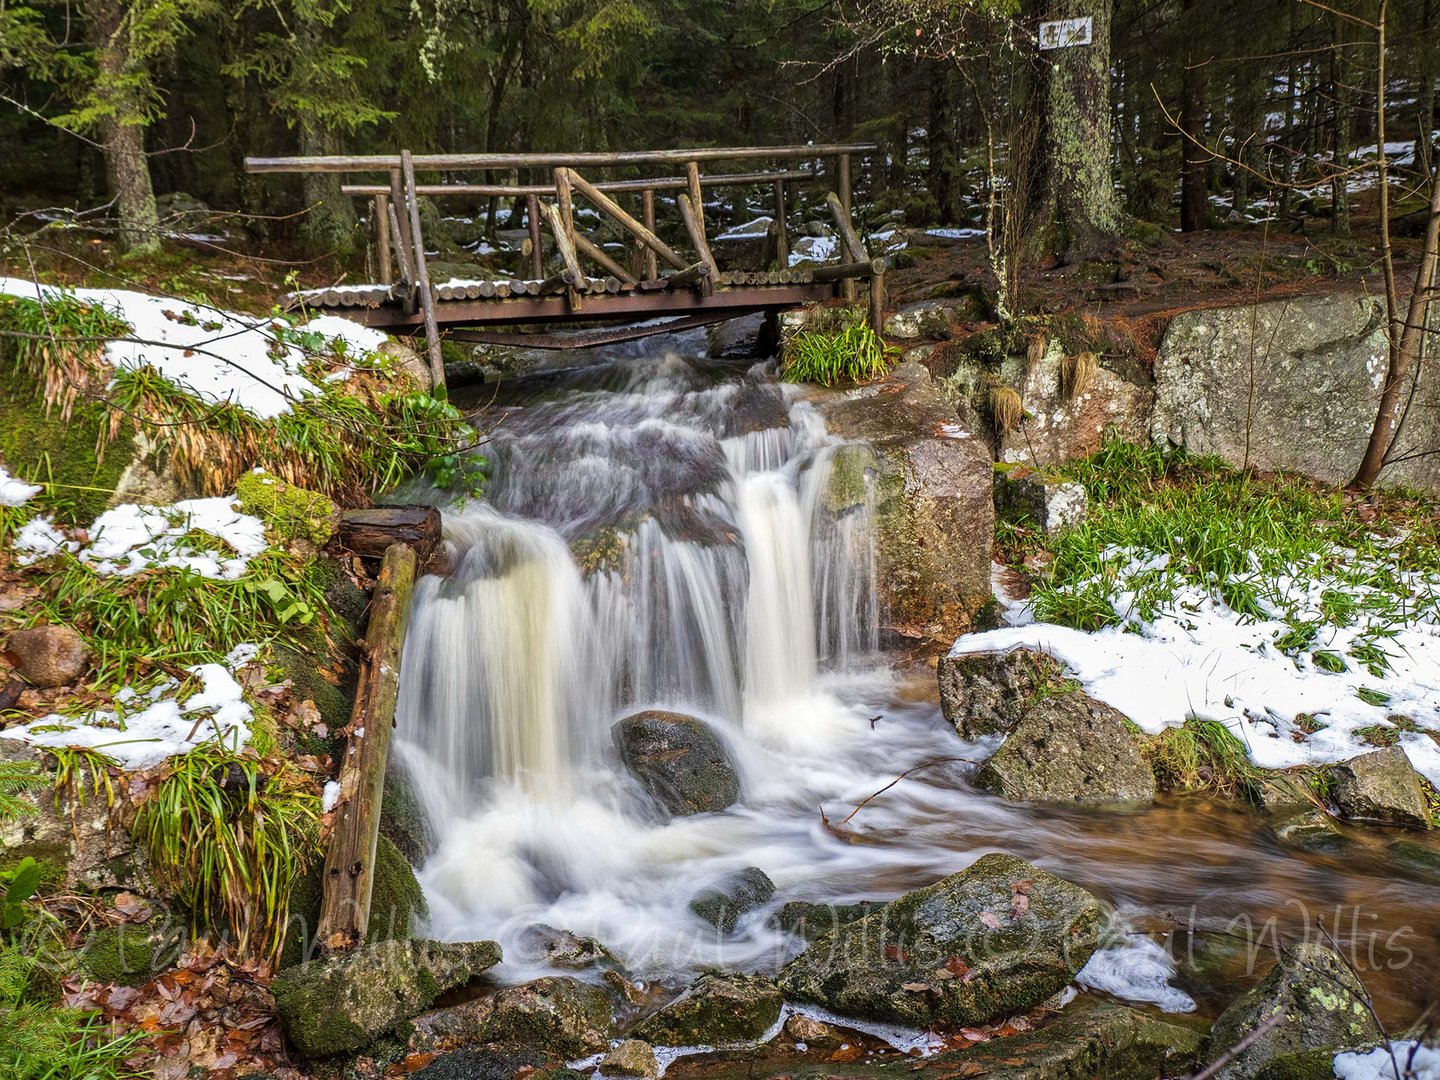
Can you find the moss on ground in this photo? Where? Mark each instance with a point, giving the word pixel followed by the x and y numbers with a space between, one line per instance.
pixel 126 955
pixel 290 513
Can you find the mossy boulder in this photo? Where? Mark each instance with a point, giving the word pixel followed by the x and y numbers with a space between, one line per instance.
pixel 565 1016
pixel 129 954
pixel 1038 498
pixel 722 904
pixel 988 693
pixel 403 820
pixel 1415 860
pixel 397 905
pixel 1086 1041
pixel 1321 1005
pixel 931 482
pixel 990 941
pixel 341 1004
pixel 1310 829
pixel 809 921
pixel 718 1010
pixel 1382 788
pixel 679 760
pixel 290 513
pixel 632 1057
pixel 1071 748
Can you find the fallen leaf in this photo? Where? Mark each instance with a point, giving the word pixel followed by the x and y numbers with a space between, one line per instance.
pixel 956 966
pixel 990 919
pixel 896 953
pixel 847 1053
pixel 915 987
pixel 1023 886
pixel 1019 905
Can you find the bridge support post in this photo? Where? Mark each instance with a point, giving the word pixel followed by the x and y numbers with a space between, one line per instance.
pixel 422 278
pixel 380 218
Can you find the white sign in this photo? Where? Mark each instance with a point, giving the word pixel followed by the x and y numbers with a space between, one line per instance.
pixel 1063 33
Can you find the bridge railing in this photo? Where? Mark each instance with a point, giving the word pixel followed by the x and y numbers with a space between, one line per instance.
pixel 400 247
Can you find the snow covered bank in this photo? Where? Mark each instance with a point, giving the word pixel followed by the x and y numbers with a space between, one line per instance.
pixel 161 725
pixel 15 492
pixel 129 538
pixel 220 356
pixel 1197 657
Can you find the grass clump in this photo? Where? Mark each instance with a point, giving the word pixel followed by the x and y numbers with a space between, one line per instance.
pixel 1169 530
pixel 1201 755
pixel 1004 407
pixel 16 778
pixel 228 834
pixel 835 348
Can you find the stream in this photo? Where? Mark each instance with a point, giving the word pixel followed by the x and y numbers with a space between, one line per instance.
pixel 656 534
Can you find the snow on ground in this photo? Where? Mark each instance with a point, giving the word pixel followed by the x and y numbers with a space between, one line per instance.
pixel 751 229
pixel 220 356
pixel 1197 657
pixel 955 234
pixel 15 492
pixel 1377 1064
pixel 127 539
pixel 160 726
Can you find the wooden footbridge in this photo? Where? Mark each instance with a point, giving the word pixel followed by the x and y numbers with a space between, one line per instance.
pixel 580 281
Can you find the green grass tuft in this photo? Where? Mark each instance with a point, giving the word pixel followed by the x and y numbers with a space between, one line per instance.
pixel 836 348
pixel 1201 755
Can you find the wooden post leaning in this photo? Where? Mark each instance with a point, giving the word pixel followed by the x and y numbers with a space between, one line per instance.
pixel 422 278
pixel 349 876
pixel 532 223
pixel 380 218
pixel 695 226
pixel 609 206
pixel 567 254
pixel 647 210
pixel 782 229
pixel 591 250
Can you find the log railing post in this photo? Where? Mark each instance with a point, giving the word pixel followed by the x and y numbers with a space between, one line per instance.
pixel 349 876
pixel 532 223
pixel 647 212
pixel 403 245
pixel 782 230
pixel 566 248
pixel 877 303
pixel 422 277
pixel 380 218
pixel 692 179
pixel 565 200
pixel 609 206
pixel 696 228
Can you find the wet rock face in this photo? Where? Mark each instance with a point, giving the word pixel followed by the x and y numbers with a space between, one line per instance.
pixel 679 760
pixel 935 516
pixel 1071 748
pixel 809 921
pixel 988 942
pixel 988 693
pixel 1035 497
pixel 718 1010
pixel 1381 787
pixel 48 656
pixel 339 1005
pixel 722 905
pixel 1321 1003
pixel 631 1058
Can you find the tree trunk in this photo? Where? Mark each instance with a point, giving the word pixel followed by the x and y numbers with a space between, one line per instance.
pixel 328 224
pixel 122 133
pixel 1065 168
pixel 1339 134
pixel 943 175
pixel 1195 160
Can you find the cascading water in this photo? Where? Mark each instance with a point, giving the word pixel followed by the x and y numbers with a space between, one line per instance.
pixel 659 533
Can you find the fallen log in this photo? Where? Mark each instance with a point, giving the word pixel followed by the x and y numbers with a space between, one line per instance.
pixel 370 533
pixel 349 877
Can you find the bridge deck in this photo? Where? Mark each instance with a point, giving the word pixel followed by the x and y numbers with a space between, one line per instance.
pixel 636 285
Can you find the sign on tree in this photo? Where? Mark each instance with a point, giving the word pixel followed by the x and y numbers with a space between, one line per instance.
pixel 1064 33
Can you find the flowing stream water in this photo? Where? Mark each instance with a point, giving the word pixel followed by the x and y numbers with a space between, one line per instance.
pixel 656 533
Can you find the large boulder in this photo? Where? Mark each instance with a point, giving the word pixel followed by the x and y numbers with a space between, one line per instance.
pixel 990 941
pixel 1288 385
pixel 809 920
pixel 1319 1000
pixel 1038 498
pixel 1071 748
pixel 567 1017
pixel 722 904
pixel 1381 787
pixel 988 693
pixel 718 1010
pixel 48 656
pixel 339 1005
pixel 679 760
pixel 1099 1040
pixel 935 518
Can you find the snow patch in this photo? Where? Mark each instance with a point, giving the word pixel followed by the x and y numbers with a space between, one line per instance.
pixel 15 492
pixel 1377 1064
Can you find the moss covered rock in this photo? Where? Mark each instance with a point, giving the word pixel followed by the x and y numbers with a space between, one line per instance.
pixel 722 904
pixel 718 1010
pixel 403 820
pixel 631 1058
pixel 679 760
pixel 397 904
pixel 1381 787
pixel 129 954
pixel 562 1015
pixel 809 921
pixel 290 513
pixel 990 941
pixel 1071 748
pixel 987 693
pixel 1321 1006
pixel 339 1005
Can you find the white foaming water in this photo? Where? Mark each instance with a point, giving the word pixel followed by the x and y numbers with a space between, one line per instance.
pixel 657 536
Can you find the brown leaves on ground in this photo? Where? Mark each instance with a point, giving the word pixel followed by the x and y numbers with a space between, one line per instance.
pixel 210 1013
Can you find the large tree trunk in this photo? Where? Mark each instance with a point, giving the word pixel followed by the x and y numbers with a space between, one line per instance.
pixel 944 175
pixel 1064 164
pixel 1195 159
pixel 122 133
pixel 328 226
